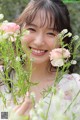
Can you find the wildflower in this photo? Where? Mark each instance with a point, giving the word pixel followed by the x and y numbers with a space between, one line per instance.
pixel 76 37
pixel 10 27
pixel 5 21
pixel 1 16
pixel 5 36
pixel 1 68
pixel 69 34
pixel 64 31
pixel 18 59
pixel 57 56
pixel 58 62
pixel 24 56
pixel 73 62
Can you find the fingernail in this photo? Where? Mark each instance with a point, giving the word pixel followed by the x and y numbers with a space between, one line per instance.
pixel 27 94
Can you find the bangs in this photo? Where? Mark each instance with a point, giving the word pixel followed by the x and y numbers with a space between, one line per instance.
pixel 45 15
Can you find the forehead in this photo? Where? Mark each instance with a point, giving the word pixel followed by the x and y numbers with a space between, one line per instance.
pixel 43 18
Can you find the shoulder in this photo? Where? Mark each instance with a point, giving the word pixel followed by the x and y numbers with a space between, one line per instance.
pixel 70 84
pixel 73 78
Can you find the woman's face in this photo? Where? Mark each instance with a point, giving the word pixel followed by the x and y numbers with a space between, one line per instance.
pixel 40 40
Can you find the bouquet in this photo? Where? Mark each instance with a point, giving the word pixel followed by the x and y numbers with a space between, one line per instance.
pixel 13 59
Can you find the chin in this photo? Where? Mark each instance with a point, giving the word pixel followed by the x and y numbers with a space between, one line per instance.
pixel 40 60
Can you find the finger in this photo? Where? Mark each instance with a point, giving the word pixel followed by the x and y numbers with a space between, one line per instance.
pixel 18 106
pixel 26 105
pixel 27 96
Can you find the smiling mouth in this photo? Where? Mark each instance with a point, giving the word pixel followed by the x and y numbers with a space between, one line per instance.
pixel 37 52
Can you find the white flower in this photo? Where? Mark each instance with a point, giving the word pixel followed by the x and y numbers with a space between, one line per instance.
pixel 76 37
pixel 69 34
pixel 73 62
pixel 24 56
pixel 64 31
pixel 1 16
pixel 57 62
pixel 18 59
pixel 5 36
pixel 1 68
pixel 5 21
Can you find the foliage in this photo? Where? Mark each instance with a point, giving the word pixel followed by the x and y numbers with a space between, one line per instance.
pixel 12 8
pixel 74 9
pixel 13 58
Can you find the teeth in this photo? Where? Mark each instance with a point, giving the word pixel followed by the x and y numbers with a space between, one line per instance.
pixel 38 51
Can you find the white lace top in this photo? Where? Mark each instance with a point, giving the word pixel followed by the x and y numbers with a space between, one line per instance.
pixel 70 84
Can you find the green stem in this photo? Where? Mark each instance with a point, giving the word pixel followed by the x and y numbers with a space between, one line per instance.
pixel 55 82
pixel 49 107
pixel 72 101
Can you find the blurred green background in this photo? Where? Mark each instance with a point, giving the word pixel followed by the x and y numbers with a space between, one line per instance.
pixel 12 8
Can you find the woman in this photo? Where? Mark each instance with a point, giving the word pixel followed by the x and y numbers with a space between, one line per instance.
pixel 44 19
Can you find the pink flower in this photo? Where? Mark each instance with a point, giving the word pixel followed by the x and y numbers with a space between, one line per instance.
pixel 10 27
pixel 57 56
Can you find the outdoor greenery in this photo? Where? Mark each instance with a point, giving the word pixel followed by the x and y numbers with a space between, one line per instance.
pixel 74 9
pixel 12 8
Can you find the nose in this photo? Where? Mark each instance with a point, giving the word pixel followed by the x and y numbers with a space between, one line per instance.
pixel 39 40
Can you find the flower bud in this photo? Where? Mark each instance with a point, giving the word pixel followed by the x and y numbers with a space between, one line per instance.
pixel 64 31
pixel 1 16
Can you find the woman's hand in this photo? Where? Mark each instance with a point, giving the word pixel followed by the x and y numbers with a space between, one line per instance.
pixel 25 107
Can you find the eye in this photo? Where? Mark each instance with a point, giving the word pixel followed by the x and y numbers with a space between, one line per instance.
pixel 31 29
pixel 51 34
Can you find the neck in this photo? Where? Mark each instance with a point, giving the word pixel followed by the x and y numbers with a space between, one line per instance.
pixel 39 70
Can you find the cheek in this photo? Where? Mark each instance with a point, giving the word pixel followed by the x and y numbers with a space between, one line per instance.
pixel 26 39
pixel 53 43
